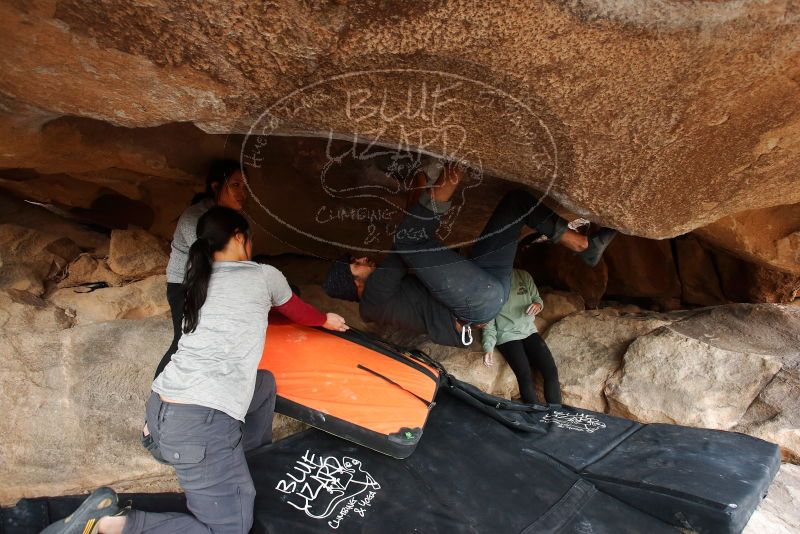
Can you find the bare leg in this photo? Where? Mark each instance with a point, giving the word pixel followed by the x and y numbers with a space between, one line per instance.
pixel 574 241
pixel 447 183
pixel 111 524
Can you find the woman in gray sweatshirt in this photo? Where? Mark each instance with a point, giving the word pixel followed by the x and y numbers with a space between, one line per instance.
pixel 211 404
pixel 225 186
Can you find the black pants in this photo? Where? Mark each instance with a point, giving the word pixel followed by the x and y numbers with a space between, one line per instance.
pixel 175 297
pixel 474 289
pixel 529 354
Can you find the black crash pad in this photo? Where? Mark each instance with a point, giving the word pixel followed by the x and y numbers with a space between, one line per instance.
pixel 578 471
pixel 709 481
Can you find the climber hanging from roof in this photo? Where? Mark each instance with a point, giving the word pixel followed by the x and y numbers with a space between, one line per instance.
pixel 426 288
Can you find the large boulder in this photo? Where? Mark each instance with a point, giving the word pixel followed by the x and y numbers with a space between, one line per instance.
pixel 588 348
pixel 768 330
pixel 29 258
pixel 135 254
pixel 136 300
pixel 74 402
pixel 733 366
pixel 672 378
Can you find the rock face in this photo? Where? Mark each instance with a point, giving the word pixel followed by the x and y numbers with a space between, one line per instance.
pixel 21 278
pixel 22 311
pixel 778 513
pixel 137 300
pixel 770 236
pixel 135 254
pixel 641 268
pixel 557 305
pixel 575 82
pixel 106 114
pixel 14 211
pixel 87 269
pixel 83 392
pixel 29 257
pixel 556 267
pixel 700 284
pixel 588 348
pixel 97 386
pixel 748 282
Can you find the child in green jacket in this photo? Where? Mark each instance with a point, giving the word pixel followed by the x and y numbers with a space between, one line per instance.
pixel 514 334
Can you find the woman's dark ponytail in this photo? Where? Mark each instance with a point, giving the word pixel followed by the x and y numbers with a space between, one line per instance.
pixel 214 229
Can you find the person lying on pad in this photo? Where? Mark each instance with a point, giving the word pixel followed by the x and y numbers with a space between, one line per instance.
pixel 425 288
pixel 209 405
pixel 514 334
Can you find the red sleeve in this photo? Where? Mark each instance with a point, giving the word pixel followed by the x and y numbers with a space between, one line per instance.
pixel 300 312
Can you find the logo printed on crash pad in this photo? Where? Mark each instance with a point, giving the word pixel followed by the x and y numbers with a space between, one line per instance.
pixel 327 487
pixel 581 422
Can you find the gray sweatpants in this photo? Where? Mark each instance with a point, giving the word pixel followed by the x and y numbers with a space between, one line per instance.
pixel 206 447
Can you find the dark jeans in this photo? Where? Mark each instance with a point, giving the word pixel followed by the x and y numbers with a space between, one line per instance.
pixel 529 354
pixel 474 289
pixel 176 298
pixel 207 449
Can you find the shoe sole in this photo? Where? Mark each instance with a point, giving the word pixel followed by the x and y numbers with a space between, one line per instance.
pixel 83 520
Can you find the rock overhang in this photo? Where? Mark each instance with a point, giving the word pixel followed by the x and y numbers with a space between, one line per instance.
pixel 655 119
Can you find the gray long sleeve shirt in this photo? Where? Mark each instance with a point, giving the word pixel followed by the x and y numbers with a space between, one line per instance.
pixel 185 235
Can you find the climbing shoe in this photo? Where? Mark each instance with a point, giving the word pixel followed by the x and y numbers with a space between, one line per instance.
pixel 101 503
pixel 597 245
